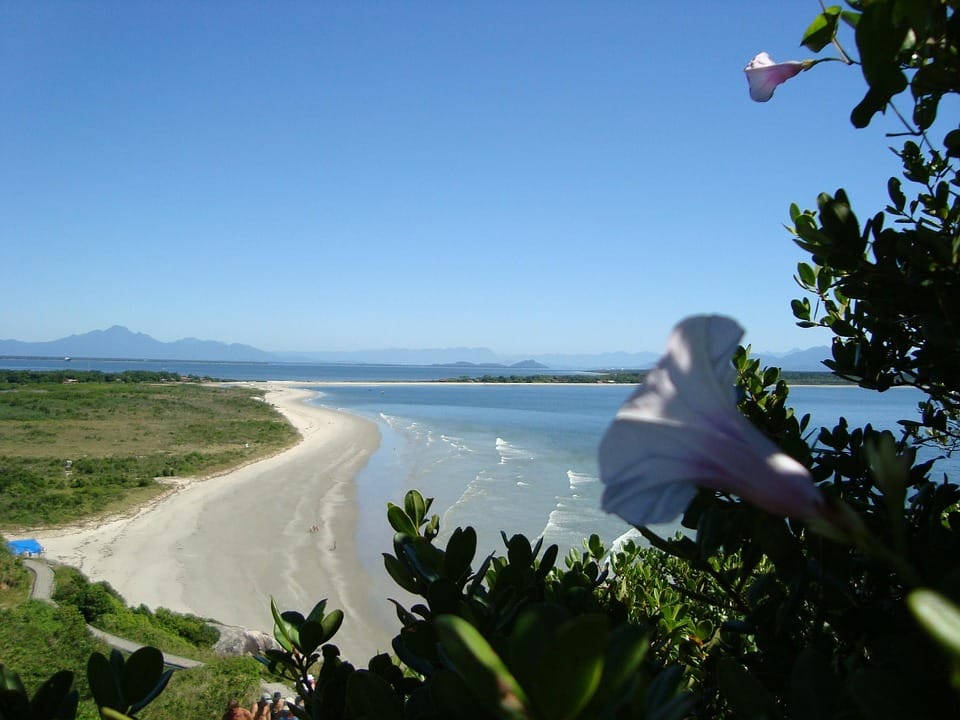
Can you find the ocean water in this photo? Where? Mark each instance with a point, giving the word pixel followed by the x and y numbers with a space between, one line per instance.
pixel 522 458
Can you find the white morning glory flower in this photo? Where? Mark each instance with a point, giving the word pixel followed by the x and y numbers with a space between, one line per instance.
pixel 763 75
pixel 682 429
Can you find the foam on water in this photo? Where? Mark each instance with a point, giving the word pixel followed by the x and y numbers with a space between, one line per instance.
pixel 510 452
pixel 456 443
pixel 579 481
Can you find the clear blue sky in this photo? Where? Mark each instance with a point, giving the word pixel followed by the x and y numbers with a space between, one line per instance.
pixel 524 176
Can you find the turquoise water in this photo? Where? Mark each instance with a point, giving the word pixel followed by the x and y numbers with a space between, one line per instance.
pixel 522 458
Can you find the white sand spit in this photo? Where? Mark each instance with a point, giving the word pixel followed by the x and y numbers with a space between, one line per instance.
pixel 284 527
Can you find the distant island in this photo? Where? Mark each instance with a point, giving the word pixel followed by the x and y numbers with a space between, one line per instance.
pixel 522 365
pixel 632 377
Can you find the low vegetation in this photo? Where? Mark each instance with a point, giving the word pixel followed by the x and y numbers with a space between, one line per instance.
pixel 75 449
pixel 104 608
pixel 38 639
pixel 15 579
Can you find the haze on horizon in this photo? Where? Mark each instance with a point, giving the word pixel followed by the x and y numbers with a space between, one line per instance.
pixel 530 178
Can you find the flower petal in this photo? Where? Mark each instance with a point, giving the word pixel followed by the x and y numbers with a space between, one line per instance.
pixel 763 75
pixel 682 428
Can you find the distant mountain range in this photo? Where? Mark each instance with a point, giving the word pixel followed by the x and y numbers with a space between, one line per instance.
pixel 118 342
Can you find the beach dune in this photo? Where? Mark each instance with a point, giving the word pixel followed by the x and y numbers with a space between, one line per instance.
pixel 283 527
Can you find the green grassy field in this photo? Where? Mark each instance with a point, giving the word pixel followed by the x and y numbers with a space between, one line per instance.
pixel 69 451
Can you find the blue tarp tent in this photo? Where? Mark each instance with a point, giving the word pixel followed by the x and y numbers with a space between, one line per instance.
pixel 25 547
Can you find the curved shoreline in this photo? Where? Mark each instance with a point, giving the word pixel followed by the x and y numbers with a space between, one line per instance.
pixel 282 527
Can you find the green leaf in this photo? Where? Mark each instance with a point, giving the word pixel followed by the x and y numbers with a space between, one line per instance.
pixel 480 668
pixel 401 576
pixel 626 648
pixel 141 673
pixel 311 636
pixel 450 694
pixel 938 616
pixel 369 696
pixel 808 277
pixel 519 552
pixel 151 696
pixel 570 670
pixel 850 18
pixel 316 615
pixel 55 699
pixel 433 527
pixel 108 713
pixel 415 507
pixel 400 521
pixel 813 688
pixel 952 143
pixel 102 682
pixel 547 562
pixel 284 632
pixel 595 546
pixel 746 697
pixel 879 41
pixel 822 30
pixel 897 197
pixel 10 680
pixel 331 623
pixel 418 556
pixel 461 548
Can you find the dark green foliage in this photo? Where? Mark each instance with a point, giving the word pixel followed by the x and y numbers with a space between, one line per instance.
pixel 126 685
pixel 104 608
pixel 37 639
pixel 888 289
pixel 54 700
pixel 92 600
pixel 42 377
pixel 191 628
pixel 15 579
pixel 514 637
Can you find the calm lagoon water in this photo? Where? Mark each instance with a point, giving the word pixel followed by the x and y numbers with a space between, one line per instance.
pixel 522 458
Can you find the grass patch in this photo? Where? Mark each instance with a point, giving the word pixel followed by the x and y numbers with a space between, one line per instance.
pixel 15 579
pixel 204 691
pixel 69 451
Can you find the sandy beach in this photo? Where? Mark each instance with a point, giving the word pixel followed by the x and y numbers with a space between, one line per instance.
pixel 285 527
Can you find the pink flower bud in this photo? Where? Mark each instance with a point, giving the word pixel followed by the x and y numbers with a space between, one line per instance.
pixel 763 75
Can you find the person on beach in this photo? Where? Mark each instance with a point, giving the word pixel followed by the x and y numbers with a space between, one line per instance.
pixel 261 708
pixel 277 706
pixel 235 712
